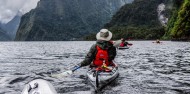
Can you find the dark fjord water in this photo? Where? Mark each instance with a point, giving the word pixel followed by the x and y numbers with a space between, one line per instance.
pixel 145 68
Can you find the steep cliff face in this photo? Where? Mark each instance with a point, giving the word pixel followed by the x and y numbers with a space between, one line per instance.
pixel 143 19
pixel 12 26
pixel 3 36
pixel 66 19
pixel 179 24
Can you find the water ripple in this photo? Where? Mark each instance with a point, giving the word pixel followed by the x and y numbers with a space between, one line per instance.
pixel 145 68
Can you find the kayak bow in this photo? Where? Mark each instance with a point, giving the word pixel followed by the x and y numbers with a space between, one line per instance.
pixel 39 86
pixel 99 77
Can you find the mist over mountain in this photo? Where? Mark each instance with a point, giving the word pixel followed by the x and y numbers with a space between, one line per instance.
pixel 66 19
pixel 10 15
pixel 11 27
pixel 10 8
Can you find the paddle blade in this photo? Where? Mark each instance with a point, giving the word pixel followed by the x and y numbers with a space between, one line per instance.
pixel 117 43
pixel 63 74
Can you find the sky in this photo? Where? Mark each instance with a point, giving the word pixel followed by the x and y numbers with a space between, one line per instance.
pixel 9 8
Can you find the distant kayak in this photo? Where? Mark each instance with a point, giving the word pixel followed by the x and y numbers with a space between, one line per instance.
pixel 100 77
pixel 39 86
pixel 157 42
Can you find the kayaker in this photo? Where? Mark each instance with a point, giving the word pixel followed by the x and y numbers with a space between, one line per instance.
pixel 157 41
pixel 101 52
pixel 123 43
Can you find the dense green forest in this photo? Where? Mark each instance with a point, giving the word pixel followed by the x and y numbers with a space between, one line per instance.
pixel 63 20
pixel 179 24
pixel 139 20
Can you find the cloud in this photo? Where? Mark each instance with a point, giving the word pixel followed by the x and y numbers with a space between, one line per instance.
pixel 9 8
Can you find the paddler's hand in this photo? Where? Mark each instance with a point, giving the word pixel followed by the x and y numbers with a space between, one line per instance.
pixel 104 66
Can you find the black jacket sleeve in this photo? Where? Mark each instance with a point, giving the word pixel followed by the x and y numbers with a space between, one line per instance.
pixel 112 53
pixel 90 56
pixel 126 43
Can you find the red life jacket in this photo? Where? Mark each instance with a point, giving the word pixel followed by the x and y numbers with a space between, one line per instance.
pixel 101 56
pixel 122 44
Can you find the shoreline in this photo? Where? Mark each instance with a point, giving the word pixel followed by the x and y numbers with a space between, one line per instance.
pixel 95 40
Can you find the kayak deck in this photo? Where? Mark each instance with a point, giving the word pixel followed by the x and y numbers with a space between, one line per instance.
pixel 123 47
pixel 102 78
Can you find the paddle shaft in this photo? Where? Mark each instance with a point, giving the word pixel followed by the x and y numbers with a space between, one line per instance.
pixel 76 68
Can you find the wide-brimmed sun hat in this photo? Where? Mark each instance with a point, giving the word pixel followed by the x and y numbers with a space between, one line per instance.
pixel 104 34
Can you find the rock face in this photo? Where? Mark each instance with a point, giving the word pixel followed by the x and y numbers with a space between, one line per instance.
pixel 12 26
pixel 66 19
pixel 3 36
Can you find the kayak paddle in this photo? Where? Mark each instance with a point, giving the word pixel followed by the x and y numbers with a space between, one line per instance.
pixel 117 43
pixel 66 73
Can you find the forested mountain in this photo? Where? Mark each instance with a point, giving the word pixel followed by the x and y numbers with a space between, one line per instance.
pixel 139 20
pixel 66 19
pixel 74 20
pixel 179 24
